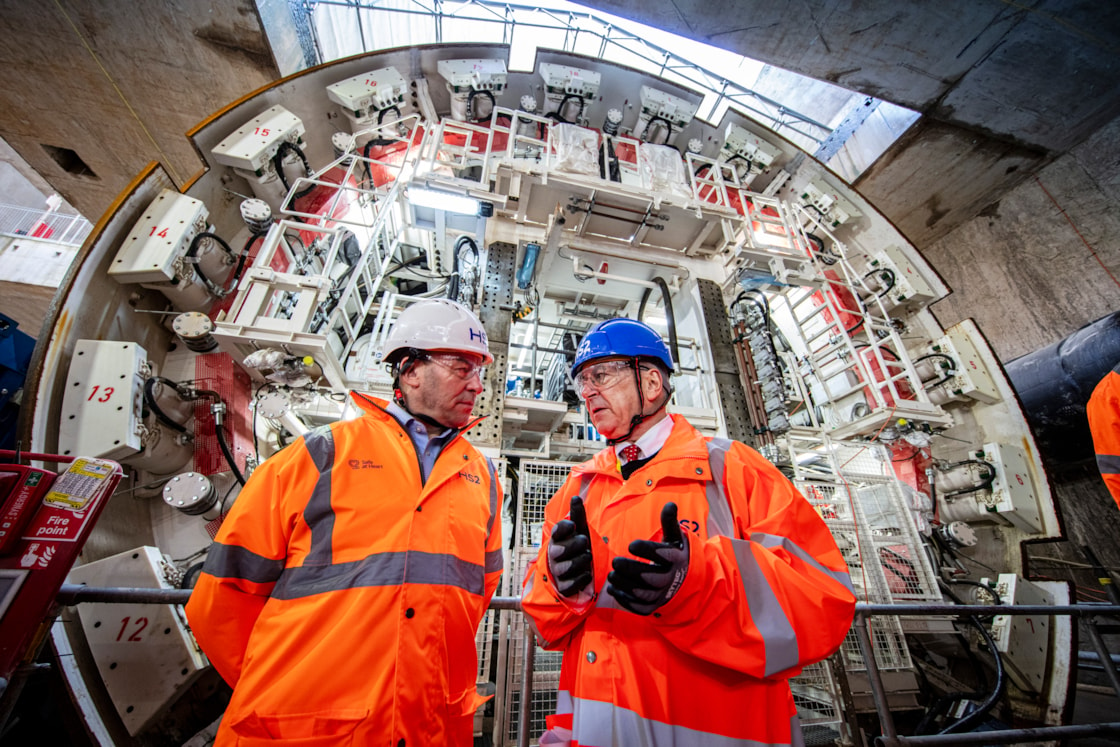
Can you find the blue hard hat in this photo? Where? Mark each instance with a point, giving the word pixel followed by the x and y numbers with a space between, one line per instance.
pixel 628 338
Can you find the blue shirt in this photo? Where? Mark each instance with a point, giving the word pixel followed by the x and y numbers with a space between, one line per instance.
pixel 427 447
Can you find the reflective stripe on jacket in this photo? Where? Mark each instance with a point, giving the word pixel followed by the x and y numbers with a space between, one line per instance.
pixel 766 593
pixel 1103 412
pixel 341 597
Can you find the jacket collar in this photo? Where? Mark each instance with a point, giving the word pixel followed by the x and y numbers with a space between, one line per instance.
pixel 684 442
pixel 379 407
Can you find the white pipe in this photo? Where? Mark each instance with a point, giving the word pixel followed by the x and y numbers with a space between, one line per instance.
pixel 583 272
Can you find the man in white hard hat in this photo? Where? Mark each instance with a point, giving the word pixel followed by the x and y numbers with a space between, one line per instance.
pixel 342 594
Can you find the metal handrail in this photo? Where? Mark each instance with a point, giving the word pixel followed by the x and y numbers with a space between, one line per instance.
pixel 57 228
pixel 71 594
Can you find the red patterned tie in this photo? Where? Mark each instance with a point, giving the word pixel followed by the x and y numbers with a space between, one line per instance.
pixel 630 453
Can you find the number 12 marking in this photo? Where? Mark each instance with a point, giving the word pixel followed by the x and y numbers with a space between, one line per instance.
pixel 135 637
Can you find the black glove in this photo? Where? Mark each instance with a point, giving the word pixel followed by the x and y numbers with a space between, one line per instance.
pixel 569 551
pixel 643 587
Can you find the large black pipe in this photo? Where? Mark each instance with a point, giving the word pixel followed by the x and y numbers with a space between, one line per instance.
pixel 1054 384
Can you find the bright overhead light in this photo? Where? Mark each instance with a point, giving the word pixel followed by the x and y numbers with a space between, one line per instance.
pixel 452 203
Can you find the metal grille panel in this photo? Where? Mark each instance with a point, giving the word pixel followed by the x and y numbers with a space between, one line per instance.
pixel 537 483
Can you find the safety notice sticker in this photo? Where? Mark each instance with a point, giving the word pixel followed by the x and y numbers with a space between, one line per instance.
pixel 75 487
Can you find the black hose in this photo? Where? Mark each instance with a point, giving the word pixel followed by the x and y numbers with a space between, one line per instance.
pixel 988 480
pixel 470 105
pixel 887 272
pixel 227 453
pixel 150 401
pixel 453 286
pixel 190 576
pixel 192 250
pixel 278 164
pixel 241 260
pixel 982 710
pixel 220 433
pixel 668 130
pixel 558 115
pixel 670 319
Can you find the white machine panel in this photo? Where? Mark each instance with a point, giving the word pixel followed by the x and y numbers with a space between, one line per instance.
pixel 738 141
pixel 671 108
pixel 101 409
pixel 1013 492
pixel 256 142
pixel 570 80
pixel 473 75
pixel 1011 499
pixel 1023 640
pixel 910 289
pixel 376 90
pixel 972 378
pixel 144 652
pixel 834 208
pixel 160 238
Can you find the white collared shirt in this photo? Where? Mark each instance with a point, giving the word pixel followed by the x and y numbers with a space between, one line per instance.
pixel 652 440
pixel 427 447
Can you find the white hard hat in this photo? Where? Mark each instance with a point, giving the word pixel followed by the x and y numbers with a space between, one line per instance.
pixel 437 324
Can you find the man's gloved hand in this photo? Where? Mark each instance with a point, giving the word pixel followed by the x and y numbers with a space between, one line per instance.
pixel 569 551
pixel 643 587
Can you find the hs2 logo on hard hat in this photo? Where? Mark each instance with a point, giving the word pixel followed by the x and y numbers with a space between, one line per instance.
pixel 479 334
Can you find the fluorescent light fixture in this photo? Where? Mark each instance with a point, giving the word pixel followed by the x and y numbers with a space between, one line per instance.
pixel 452 203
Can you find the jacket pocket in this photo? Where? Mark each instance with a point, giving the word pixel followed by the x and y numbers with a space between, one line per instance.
pixel 319 729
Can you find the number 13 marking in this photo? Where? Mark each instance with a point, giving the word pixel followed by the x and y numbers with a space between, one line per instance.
pixel 106 393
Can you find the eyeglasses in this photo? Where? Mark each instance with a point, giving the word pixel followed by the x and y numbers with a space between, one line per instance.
pixel 601 376
pixel 461 367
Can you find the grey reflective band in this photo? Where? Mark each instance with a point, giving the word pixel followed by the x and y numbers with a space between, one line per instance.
pixel 494 561
pixel 771 540
pixel 382 569
pixel 584 485
pixel 597 722
pixel 318 514
pixel 233 561
pixel 1108 464
pixel 779 639
pixel 720 521
pixel 493 499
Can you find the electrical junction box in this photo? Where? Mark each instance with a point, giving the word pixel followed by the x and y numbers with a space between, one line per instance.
pixel 252 146
pixel 1023 640
pixel 1010 499
pixel 372 91
pixel 102 405
pixel 160 239
pixel 1013 494
pixel 473 75
pixel 145 653
pixel 741 142
pixel 562 79
pixel 672 109
pixel 835 210
pixel 972 379
pixel 910 290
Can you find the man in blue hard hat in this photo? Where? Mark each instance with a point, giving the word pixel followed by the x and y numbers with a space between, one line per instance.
pixel 684 577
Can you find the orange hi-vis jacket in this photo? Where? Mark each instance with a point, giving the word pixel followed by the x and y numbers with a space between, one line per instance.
pixel 341 596
pixel 766 593
pixel 1103 412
